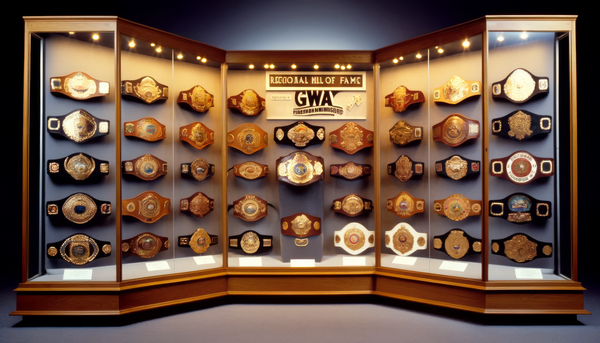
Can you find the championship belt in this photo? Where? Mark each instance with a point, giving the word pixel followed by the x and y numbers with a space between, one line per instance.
pixel 197 98
pixel 145 167
pixel 300 168
pixel 147 207
pixel 250 170
pixel 145 245
pixel 79 86
pixel 402 97
pixel 403 133
pixel 456 167
pixel 299 134
pixel 521 248
pixel 521 167
pixel 249 208
pixel 78 126
pixel 455 130
pixel 78 166
pixel 521 125
pixel 521 208
pixel 248 138
pixel 350 170
pixel 78 249
pixel 519 86
pixel 78 208
pixel 404 240
pixel 199 241
pixel 247 102
pixel 354 238
pixel 457 207
pixel 199 169
pixel 405 205
pixel 251 242
pixel 404 168
pixel 148 129
pixel 146 89
pixel 352 205
pixel 199 204
pixel 351 138
pixel 457 243
pixel 456 90
pixel 301 226
pixel 197 134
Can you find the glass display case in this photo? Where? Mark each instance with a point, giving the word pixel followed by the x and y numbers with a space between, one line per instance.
pixel 160 171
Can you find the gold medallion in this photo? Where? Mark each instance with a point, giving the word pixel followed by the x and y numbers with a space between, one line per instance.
pixel 455 89
pixel 301 225
pixel 403 240
pixel 495 247
pixel 352 204
pixel 456 244
pixel 437 243
pixel 248 139
pixel 250 104
pixel 299 169
pixel 300 242
pixel 200 205
pixel 401 133
pixel 52 251
pixel 250 207
pixel 354 239
pixel 520 249
pixel 106 248
pixel 457 207
pixel 400 99
pixel 200 169
pixel 250 242
pixel 456 168
pixel 404 170
pixel 149 129
pixel 201 99
pixel 79 208
pixel 150 207
pixel 147 90
pixel 301 134
pixel 477 246
pixel 279 134
pixel 351 170
pixel 321 134
pixel 519 86
pixel 76 249
pixel 147 167
pixel 199 135
pixel 250 170
pixel 79 166
pixel 352 137
pixel 200 241
pixel 520 125
pixel 79 126
pixel 547 250
pixel 148 245
pixel 455 130
pixel 79 86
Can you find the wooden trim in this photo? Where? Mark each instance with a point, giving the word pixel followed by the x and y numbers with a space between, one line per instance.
pixel 574 158
pixel 299 56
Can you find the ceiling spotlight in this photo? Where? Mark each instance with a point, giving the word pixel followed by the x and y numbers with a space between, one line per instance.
pixel 266 66
pixel 204 60
pixel 395 60
pixel 419 55
pixel 293 66
pixel 348 67
pixel 500 38
pixel 198 58
pixel 132 44
pixel 524 35
pixel 71 32
pixel 401 58
pixel 466 43
pixel 316 66
pixel 158 49
pixel 251 66
pixel 272 66
pixel 343 67
pixel 441 51
pixel 95 36
pixel 152 44
pixel 180 56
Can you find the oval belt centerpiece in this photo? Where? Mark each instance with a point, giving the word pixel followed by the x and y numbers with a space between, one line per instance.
pixel 300 168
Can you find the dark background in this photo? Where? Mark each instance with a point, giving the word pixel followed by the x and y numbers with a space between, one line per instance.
pixel 297 25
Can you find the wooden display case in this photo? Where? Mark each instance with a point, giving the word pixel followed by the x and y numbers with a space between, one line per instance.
pixel 120 284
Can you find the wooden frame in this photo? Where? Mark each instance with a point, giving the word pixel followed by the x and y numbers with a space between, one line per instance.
pixel 126 296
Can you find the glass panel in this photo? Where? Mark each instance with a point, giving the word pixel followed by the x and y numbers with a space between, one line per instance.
pixel 68 220
pixel 449 227
pixel 315 199
pixel 522 238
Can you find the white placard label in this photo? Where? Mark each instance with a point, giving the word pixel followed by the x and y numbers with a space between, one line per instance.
pixel 407 261
pixel 354 261
pixel 250 261
pixel 77 274
pixel 454 266
pixel 286 97
pixel 204 260
pixel 528 273
pixel 159 265
pixel 302 263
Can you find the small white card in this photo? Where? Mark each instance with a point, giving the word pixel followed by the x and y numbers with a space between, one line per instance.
pixel 77 274
pixel 204 260
pixel 454 266
pixel 250 261
pixel 528 273
pixel 302 263
pixel 159 265
pixel 354 261
pixel 407 261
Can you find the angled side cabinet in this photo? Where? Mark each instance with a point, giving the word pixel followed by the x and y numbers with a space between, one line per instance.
pixel 133 196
